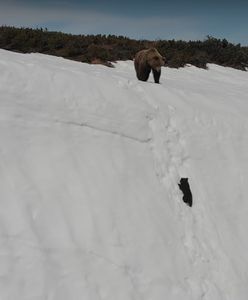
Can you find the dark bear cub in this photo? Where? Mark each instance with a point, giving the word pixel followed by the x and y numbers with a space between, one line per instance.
pixel 185 188
pixel 146 61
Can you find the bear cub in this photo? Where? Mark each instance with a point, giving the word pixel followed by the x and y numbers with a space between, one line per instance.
pixel 185 188
pixel 146 61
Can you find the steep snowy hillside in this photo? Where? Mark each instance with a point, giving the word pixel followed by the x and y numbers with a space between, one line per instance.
pixel 90 163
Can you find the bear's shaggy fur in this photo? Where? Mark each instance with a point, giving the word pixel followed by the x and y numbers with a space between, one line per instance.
pixel 147 60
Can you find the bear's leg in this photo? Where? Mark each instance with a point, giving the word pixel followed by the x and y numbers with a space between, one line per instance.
pixel 143 73
pixel 156 75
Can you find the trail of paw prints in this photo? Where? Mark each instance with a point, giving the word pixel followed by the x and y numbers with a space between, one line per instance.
pixel 171 162
pixel 167 143
pixel 168 148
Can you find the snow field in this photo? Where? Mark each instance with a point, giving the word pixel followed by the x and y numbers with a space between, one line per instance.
pixel 90 160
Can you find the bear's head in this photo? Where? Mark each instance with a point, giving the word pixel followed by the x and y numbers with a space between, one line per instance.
pixel 154 59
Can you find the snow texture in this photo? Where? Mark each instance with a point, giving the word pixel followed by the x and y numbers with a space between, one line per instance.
pixel 90 163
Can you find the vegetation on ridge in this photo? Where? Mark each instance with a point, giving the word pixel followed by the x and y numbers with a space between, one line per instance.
pixel 108 48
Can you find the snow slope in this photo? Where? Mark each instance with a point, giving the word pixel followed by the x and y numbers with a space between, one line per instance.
pixel 90 160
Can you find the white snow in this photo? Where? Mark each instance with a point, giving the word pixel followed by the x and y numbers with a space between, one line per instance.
pixel 90 161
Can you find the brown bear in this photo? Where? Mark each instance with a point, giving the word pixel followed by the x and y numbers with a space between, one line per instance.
pixel 147 60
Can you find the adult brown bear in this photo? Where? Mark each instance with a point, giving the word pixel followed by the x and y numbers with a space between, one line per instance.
pixel 147 60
